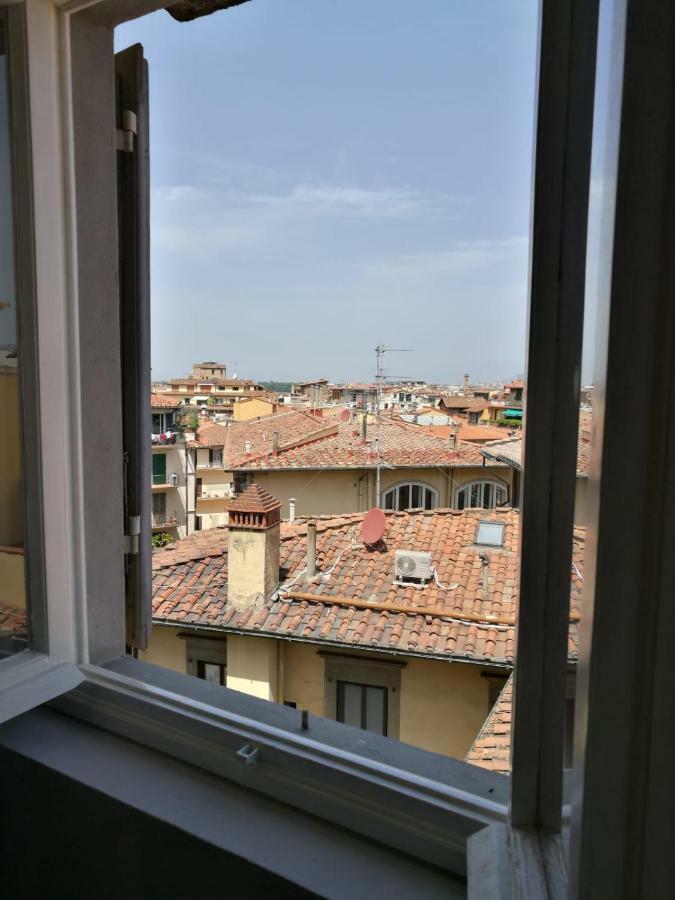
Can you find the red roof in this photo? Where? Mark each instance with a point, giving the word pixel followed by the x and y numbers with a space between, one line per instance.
pixel 358 603
pixel 492 747
pixel 401 445
pixel 293 428
pixel 163 401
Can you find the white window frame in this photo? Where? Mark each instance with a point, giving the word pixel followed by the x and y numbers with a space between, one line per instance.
pixel 67 40
pixel 396 488
pixel 494 483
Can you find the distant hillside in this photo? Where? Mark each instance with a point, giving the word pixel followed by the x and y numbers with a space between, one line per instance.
pixel 277 387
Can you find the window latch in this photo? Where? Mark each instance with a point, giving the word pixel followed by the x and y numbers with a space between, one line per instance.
pixel 126 134
pixel 131 539
pixel 248 754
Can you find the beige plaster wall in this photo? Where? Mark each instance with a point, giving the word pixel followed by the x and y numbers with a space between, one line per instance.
pixel 442 704
pixel 335 491
pixel 252 666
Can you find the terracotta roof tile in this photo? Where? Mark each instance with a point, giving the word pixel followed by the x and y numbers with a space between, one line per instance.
pixel 437 619
pixel 492 747
pixel 402 445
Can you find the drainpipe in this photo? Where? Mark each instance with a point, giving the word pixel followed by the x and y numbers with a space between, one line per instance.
pixel 311 550
pixel 291 509
pixel 486 562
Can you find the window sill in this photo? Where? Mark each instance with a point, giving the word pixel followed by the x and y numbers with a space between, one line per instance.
pixel 30 679
pixel 413 801
pixel 293 846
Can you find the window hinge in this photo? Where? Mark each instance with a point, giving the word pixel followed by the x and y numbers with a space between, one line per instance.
pixel 131 539
pixel 125 134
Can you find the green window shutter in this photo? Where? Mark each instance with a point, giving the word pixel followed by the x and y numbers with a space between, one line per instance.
pixel 159 468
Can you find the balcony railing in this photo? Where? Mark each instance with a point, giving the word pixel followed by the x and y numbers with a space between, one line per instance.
pixel 162 520
pixel 210 465
pixel 166 438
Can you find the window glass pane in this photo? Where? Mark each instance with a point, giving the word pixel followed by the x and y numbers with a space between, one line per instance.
pixel 376 709
pixel 350 708
pixel 350 194
pixel 13 615
pixel 212 672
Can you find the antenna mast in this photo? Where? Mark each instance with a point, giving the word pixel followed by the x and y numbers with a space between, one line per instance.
pixel 380 350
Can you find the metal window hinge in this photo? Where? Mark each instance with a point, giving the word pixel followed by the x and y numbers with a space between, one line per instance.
pixel 125 134
pixel 131 539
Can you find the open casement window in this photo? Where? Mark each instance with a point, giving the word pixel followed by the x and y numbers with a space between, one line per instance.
pixel 133 191
pixel 94 430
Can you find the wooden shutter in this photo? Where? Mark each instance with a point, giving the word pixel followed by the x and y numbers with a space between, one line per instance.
pixel 133 179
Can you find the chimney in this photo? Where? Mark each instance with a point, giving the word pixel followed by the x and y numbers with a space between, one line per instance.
pixel 253 549
pixel 275 442
pixel 248 446
pixel 364 427
pixel 453 439
pixel 291 509
pixel 311 550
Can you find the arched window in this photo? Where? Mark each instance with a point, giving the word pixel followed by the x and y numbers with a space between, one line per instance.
pixel 481 495
pixel 411 495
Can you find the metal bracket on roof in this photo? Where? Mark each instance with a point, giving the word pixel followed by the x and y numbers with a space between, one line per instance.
pixel 131 539
pixel 126 134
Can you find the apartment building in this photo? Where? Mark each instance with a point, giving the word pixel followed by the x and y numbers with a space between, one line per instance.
pixel 324 462
pixel 208 387
pixel 173 475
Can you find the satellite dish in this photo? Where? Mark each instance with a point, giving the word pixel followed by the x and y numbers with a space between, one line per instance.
pixel 373 527
pixel 345 415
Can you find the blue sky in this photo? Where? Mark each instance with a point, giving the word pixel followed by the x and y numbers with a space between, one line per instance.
pixel 328 175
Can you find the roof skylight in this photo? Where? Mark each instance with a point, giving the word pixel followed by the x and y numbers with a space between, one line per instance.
pixel 490 534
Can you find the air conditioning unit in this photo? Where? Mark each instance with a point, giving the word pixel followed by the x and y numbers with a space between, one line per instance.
pixel 173 479
pixel 412 565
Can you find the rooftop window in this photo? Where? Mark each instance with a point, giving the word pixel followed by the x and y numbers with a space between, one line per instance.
pixel 490 534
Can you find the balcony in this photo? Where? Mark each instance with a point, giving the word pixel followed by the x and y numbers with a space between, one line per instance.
pixel 211 465
pixel 166 438
pixel 162 520
pixel 165 481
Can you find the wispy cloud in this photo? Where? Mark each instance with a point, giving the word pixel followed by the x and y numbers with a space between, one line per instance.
pixel 198 219
pixel 461 256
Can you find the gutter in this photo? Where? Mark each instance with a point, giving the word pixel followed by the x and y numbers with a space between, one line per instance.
pixel 369 648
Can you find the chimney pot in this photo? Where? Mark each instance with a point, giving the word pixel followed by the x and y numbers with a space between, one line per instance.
pixel 311 550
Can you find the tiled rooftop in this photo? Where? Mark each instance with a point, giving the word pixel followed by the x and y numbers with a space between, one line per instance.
pixel 13 622
pixel 293 427
pixel 510 451
pixel 402 445
pixel 492 747
pixel 163 401
pixel 356 601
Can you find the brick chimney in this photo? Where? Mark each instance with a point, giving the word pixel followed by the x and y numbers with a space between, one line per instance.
pixel 253 549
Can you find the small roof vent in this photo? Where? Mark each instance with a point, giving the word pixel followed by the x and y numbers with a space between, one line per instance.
pixel 490 534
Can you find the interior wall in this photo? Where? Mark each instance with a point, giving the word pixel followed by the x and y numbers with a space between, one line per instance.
pixel 62 839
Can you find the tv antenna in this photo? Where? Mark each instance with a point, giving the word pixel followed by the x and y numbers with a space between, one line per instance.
pixel 380 377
